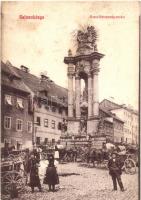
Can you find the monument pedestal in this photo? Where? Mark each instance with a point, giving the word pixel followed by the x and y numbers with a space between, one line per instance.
pixel 92 125
pixel 73 127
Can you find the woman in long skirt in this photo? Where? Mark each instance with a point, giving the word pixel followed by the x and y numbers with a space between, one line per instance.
pixel 51 176
pixel 34 173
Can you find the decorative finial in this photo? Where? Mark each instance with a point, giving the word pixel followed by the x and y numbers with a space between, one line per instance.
pixel 69 52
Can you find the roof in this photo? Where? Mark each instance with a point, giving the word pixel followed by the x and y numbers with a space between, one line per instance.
pixel 8 69
pixel 128 109
pixel 57 93
pixel 111 114
pixel 115 106
pixel 11 79
pixel 111 105
pixel 34 83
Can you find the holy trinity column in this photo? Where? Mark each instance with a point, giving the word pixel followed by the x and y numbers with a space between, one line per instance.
pixel 84 65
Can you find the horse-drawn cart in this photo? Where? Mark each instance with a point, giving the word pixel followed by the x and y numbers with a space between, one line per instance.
pixel 12 175
pixel 99 158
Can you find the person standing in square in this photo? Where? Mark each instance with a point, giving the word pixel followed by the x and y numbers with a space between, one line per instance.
pixel 34 173
pixel 51 177
pixel 115 170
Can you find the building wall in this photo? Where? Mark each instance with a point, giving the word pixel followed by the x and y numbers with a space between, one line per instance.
pixel 108 130
pixel 12 135
pixel 48 132
pixel 135 129
pixel 130 128
pixel 118 131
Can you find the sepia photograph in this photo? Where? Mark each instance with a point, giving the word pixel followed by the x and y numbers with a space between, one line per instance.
pixel 70 100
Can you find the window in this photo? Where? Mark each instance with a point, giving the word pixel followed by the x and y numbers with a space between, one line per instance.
pixel 20 103
pixel 29 127
pixel 38 140
pixel 6 143
pixel 45 122
pixel 59 126
pixel 60 111
pixel 19 125
pixel 53 141
pixel 38 121
pixel 46 141
pixel 7 122
pixel 8 99
pixel 53 124
pixel 19 145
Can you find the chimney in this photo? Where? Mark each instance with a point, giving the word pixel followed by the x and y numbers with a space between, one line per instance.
pixel 44 77
pixel 24 69
pixel 51 81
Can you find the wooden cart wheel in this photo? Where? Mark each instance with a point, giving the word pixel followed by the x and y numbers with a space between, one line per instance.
pixel 11 157
pixel 130 166
pixel 13 177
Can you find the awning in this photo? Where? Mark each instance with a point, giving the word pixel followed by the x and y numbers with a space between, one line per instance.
pixel 8 99
pixel 20 102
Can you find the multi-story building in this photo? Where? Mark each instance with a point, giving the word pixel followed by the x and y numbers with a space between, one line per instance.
pixel 111 126
pixel 130 118
pixel 17 120
pixel 49 103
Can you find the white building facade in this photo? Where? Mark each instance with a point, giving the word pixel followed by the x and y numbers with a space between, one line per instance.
pixel 130 129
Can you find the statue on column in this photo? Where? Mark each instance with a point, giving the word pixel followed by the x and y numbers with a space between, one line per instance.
pixel 87 39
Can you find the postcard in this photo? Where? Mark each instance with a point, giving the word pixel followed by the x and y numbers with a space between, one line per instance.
pixel 70 100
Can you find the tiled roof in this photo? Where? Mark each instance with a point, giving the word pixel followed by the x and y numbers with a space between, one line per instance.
pixel 110 106
pixel 9 70
pixel 13 81
pixel 35 84
pixel 111 114
pixel 56 92
pixel 115 106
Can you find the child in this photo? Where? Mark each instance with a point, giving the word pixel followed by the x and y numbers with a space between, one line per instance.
pixel 51 176
pixel 115 170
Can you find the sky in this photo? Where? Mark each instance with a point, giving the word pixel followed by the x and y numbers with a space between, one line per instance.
pixel 41 45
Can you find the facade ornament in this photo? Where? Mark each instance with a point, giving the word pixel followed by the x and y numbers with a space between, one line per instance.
pixel 95 66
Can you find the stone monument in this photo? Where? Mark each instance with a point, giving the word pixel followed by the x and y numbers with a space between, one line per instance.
pixel 83 111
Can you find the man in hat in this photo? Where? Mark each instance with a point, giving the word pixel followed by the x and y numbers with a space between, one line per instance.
pixel 115 170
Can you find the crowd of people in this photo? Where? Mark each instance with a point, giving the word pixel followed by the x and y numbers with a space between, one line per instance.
pixel 32 163
pixel 51 178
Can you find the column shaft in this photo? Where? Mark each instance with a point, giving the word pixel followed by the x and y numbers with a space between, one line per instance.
pixel 70 96
pixel 89 96
pixel 77 97
pixel 95 94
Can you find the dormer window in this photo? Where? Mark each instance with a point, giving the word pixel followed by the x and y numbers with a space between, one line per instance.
pixel 20 103
pixel 8 100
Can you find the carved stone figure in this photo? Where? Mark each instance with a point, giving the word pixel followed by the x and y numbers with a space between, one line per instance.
pixel 87 39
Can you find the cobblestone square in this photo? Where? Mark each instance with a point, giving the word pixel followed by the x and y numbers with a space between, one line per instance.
pixel 84 183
